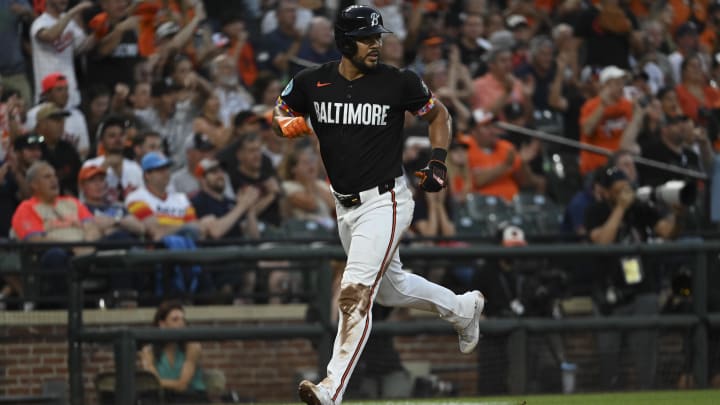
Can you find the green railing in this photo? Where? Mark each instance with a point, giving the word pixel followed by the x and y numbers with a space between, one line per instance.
pixel 125 339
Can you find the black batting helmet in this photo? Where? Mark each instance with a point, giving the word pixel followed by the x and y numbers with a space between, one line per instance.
pixel 356 21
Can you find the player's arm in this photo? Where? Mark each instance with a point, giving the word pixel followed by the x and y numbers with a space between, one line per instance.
pixel 433 177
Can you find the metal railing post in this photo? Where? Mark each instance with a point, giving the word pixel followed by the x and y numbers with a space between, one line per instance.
pixel 517 356
pixel 324 307
pixel 700 334
pixel 74 328
pixel 124 346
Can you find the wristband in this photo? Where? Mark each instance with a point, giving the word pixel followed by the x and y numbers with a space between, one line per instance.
pixel 438 154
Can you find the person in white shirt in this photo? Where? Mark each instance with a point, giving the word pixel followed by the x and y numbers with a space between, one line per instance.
pixel 55 90
pixel 123 175
pixel 162 213
pixel 56 38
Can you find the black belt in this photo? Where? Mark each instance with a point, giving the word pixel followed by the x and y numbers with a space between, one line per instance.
pixel 353 200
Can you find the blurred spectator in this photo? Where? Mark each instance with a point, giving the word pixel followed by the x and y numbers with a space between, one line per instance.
pixel 654 56
pixel 606 25
pixel 675 146
pixel 625 286
pixel 186 180
pixel 498 87
pixel 55 91
pixel 231 95
pixel 392 52
pixel 95 106
pixel 162 213
pixel 452 84
pixel 27 149
pixel 541 68
pixel 307 196
pixel 266 90
pixel 60 153
pixel 176 365
pixel 56 39
pixel 459 173
pixel 282 43
pixel 112 219
pixel 472 44
pixel 209 124
pixel 605 119
pixel 282 15
pixel 123 175
pixel 497 167
pixel 113 59
pixel 697 97
pixel 48 216
pixel 165 118
pixel 686 39
pixel 318 47
pixel 431 50
pixel 253 169
pixel 12 61
pixel 235 40
pixel 223 216
pixel 144 143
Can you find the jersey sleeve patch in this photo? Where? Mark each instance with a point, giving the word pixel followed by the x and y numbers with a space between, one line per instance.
pixel 427 107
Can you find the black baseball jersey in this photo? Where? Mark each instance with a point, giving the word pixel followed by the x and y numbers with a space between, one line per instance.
pixel 359 123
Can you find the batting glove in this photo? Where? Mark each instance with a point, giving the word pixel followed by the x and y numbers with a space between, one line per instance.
pixel 293 127
pixel 433 177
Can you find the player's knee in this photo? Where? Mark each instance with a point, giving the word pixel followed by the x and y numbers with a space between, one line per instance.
pixel 354 297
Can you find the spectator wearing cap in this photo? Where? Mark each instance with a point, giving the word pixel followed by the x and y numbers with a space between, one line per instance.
pixel 256 170
pixel 430 51
pixel 499 86
pixel 165 118
pixel 123 175
pixel 232 96
pixel 224 217
pixel 497 167
pixel 519 25
pixel 696 95
pixel 186 179
pixel 27 149
pixel 117 51
pixel 56 39
pixel 604 26
pixel 686 39
pixel 60 153
pixel 12 60
pixel 112 219
pixel 245 122
pixel 210 124
pixel 55 91
pixel 473 46
pixel 48 216
pixel 605 119
pixel 318 47
pixel 163 213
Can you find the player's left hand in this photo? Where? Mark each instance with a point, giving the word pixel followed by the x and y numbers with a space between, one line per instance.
pixel 293 127
pixel 433 177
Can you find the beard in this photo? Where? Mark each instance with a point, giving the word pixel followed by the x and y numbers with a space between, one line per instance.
pixel 360 64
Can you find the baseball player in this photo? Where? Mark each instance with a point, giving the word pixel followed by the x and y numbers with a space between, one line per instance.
pixel 356 107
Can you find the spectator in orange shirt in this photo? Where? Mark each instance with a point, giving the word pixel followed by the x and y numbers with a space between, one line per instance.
pixel 497 167
pixel 604 118
pixel 695 94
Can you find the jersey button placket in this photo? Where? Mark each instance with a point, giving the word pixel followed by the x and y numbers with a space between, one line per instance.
pixel 349 89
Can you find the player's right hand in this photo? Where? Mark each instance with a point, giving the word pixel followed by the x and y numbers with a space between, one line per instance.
pixel 293 127
pixel 433 177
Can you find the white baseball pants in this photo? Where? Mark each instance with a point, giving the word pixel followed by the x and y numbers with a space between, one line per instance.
pixel 370 234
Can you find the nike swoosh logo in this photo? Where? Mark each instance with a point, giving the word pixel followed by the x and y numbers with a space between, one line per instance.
pixel 318 84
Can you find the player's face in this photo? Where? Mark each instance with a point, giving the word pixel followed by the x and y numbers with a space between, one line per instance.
pixel 367 56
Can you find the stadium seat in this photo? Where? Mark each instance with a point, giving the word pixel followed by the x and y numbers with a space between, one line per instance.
pixel 147 388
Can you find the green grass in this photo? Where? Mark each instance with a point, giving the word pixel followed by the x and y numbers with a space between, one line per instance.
pixel 701 397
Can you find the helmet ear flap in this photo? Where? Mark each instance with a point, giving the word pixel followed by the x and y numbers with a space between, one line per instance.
pixel 345 44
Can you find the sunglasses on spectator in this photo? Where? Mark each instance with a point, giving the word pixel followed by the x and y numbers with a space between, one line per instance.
pixel 35 140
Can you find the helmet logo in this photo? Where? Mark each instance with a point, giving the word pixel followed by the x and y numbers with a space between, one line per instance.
pixel 374 17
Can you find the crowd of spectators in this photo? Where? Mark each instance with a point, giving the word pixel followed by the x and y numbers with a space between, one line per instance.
pixel 146 120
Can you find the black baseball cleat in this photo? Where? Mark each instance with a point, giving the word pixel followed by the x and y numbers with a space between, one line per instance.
pixel 313 394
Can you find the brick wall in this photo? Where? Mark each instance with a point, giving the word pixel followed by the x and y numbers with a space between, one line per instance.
pixel 266 370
